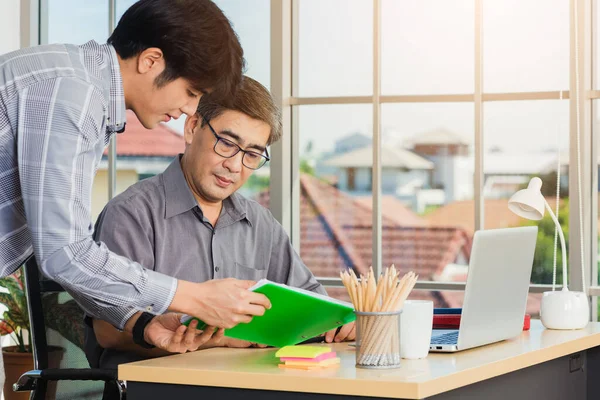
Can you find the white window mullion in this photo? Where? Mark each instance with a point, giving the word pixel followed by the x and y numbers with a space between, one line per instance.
pixel 376 173
pixel 281 165
pixel 478 113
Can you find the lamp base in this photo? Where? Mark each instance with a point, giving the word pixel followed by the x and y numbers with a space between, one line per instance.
pixel 565 310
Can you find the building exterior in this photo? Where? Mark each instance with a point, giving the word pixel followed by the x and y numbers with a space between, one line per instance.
pixel 453 162
pixel 401 169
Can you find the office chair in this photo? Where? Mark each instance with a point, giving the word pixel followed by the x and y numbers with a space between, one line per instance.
pixel 55 317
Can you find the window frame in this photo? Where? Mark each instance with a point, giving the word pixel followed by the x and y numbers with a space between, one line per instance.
pixel 284 16
pixel 285 187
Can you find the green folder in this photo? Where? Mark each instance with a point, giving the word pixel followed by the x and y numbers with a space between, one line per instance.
pixel 295 316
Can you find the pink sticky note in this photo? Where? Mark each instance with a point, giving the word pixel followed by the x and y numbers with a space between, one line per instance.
pixel 322 357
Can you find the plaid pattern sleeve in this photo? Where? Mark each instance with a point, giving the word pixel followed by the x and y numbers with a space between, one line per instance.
pixel 52 135
pixel 59 148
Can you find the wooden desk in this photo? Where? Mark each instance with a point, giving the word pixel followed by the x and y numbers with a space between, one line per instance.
pixel 539 364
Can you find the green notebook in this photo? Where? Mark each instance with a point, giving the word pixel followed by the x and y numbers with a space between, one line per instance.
pixel 295 316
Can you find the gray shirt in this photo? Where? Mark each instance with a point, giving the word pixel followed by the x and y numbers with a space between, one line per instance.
pixel 157 222
pixel 59 106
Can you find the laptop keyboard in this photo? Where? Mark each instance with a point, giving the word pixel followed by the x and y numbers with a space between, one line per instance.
pixel 446 338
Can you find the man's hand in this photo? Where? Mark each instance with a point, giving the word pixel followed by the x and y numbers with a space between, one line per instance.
pixel 167 333
pixel 223 303
pixel 346 333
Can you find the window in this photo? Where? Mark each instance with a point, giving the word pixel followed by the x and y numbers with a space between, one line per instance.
pixel 427 63
pixel 525 45
pixel 335 47
pixel 427 190
pixel 70 21
pixel 427 47
pixel 524 139
pixel 335 187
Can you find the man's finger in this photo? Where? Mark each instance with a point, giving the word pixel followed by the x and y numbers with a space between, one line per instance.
pixel 259 299
pixel 218 335
pixel 242 318
pixel 190 335
pixel 178 336
pixel 343 333
pixel 352 334
pixel 329 336
pixel 254 310
pixel 204 337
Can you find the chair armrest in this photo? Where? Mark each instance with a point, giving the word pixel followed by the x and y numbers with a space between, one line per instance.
pixel 78 374
pixel 28 380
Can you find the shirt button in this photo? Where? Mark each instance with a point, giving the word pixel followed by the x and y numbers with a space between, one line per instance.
pixel 149 308
pixel 216 269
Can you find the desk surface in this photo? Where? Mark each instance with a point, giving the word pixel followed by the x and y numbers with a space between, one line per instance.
pixel 438 373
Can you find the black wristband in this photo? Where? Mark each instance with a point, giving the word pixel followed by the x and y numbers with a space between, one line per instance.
pixel 139 328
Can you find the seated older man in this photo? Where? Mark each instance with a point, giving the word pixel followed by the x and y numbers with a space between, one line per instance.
pixel 190 223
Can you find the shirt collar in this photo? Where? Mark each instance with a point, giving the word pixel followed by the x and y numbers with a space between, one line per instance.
pixel 116 109
pixel 235 206
pixel 179 197
pixel 117 116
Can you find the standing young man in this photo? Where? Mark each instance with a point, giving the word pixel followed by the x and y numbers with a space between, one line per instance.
pixel 59 106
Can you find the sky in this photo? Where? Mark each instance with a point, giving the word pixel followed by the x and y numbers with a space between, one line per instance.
pixel 427 47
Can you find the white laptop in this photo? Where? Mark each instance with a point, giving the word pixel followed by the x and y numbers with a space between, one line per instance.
pixel 496 291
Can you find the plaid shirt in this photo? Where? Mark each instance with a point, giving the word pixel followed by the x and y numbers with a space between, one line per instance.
pixel 59 106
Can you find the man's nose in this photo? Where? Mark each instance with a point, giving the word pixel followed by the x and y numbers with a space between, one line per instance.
pixel 190 107
pixel 234 164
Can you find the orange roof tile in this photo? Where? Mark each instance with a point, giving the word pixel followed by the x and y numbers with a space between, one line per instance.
pixel 161 141
pixel 462 214
pixel 394 209
pixel 336 234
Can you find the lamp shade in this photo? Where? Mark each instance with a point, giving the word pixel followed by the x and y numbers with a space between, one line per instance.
pixel 529 203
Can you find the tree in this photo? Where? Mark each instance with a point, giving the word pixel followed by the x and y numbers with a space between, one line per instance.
pixel 257 183
pixel 549 185
pixel 306 167
pixel 544 251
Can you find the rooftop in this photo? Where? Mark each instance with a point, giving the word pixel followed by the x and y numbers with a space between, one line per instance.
pixel 390 158
pixel 438 136
pixel 138 141
pixel 336 234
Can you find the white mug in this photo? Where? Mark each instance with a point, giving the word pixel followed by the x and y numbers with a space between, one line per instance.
pixel 416 323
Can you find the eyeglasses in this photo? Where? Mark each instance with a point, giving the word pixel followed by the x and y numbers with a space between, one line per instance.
pixel 226 148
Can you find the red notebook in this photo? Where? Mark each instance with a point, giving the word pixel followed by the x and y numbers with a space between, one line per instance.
pixel 452 321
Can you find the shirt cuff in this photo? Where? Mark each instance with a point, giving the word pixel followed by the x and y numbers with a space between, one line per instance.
pixel 159 294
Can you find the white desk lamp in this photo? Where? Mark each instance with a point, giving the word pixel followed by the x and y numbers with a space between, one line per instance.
pixel 560 309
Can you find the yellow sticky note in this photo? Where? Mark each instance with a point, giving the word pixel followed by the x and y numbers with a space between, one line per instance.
pixel 302 351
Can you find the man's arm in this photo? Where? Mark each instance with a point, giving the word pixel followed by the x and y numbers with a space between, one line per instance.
pixel 171 335
pixel 59 132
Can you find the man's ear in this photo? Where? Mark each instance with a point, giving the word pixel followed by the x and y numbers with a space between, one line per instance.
pixel 151 60
pixel 192 125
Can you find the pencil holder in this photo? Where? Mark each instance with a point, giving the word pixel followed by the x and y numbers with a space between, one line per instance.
pixel 378 339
